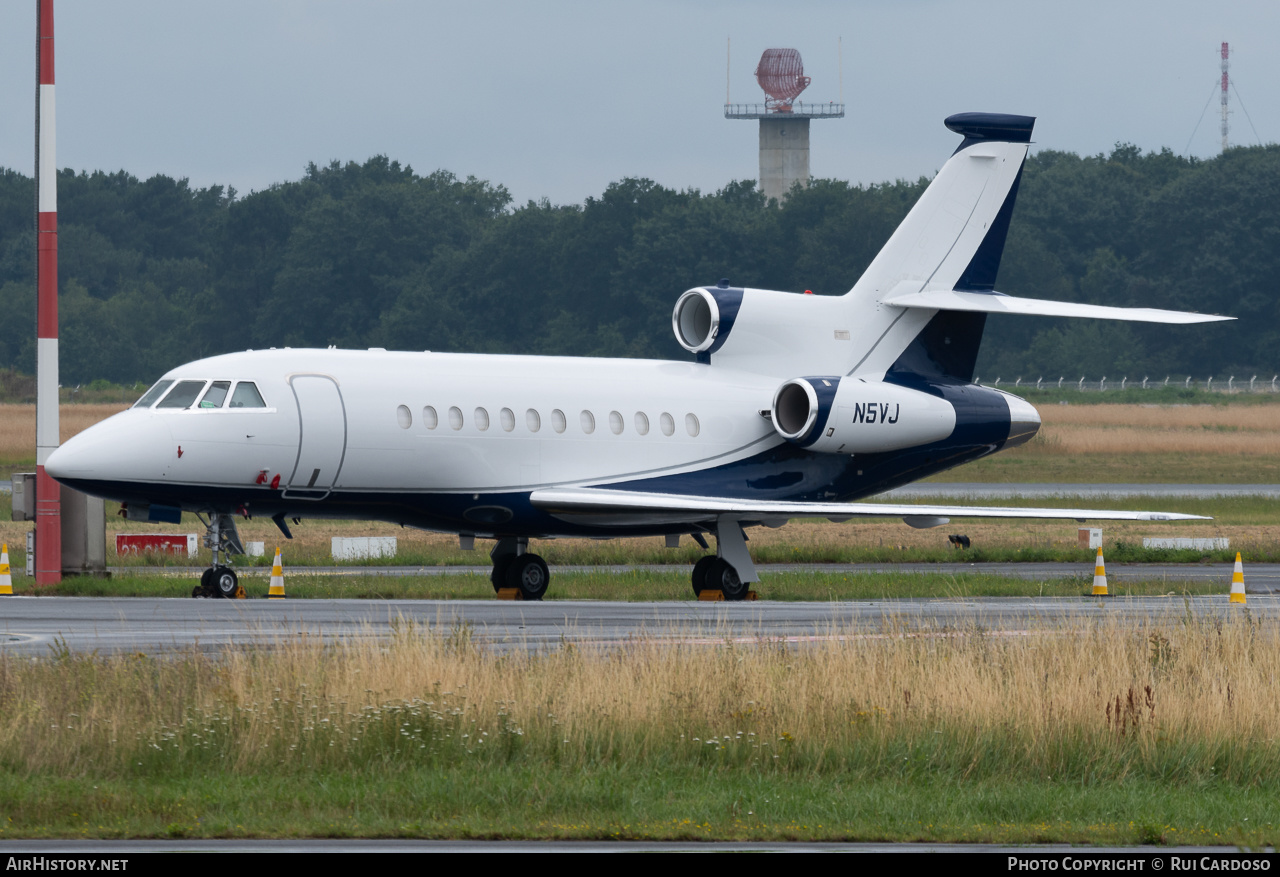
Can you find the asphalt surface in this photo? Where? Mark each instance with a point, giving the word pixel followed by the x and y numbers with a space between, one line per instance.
pixel 41 626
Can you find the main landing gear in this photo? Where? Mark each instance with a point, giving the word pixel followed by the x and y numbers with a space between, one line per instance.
pixel 220 580
pixel 515 567
pixel 731 571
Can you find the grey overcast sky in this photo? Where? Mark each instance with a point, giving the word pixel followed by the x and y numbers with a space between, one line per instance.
pixel 559 98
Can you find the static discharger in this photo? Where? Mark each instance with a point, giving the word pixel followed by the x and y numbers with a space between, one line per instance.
pixel 1099 576
pixel 1237 577
pixel 276 590
pixel 6 580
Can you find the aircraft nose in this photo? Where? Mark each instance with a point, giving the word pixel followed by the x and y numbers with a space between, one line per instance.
pixel 1024 421
pixel 131 446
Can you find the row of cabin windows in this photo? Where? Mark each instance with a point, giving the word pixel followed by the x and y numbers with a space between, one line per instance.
pixel 193 394
pixel 533 420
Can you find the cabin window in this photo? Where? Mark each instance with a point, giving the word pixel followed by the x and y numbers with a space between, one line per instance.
pixel 215 395
pixel 149 397
pixel 247 396
pixel 558 421
pixel 668 424
pixel 482 419
pixel 429 418
pixel 508 418
pixel 642 423
pixel 183 395
pixel 404 417
pixel 533 420
pixel 455 417
pixel 691 425
pixel 588 421
pixel 615 422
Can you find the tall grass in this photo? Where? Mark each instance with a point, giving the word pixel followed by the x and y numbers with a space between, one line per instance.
pixel 1186 702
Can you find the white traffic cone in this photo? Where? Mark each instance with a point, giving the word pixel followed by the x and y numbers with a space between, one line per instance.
pixel 6 580
pixel 1099 576
pixel 276 591
pixel 1237 582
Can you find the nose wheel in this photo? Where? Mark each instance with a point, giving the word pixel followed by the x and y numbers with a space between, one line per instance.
pixel 220 580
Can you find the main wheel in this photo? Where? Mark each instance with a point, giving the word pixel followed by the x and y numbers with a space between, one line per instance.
pixel 498 575
pixel 723 577
pixel 529 573
pixel 700 574
pixel 225 583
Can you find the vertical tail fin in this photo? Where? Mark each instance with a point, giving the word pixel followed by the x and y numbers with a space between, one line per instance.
pixel 952 239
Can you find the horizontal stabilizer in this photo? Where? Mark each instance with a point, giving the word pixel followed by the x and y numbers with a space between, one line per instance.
pixel 998 303
pixel 604 506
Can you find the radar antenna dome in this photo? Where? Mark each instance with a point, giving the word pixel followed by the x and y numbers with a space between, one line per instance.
pixel 781 75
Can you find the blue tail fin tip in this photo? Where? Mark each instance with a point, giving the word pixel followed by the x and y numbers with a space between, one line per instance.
pixel 992 126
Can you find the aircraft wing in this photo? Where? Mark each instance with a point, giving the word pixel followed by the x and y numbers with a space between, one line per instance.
pixel 623 507
pixel 999 303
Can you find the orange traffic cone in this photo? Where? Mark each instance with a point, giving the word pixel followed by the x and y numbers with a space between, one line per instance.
pixel 1237 582
pixel 6 580
pixel 1099 576
pixel 276 591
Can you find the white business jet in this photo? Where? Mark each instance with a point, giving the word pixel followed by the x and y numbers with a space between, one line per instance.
pixel 794 405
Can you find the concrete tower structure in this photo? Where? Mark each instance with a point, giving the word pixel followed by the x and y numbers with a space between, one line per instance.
pixel 784 123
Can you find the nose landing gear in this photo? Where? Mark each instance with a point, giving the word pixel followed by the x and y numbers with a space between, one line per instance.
pixel 220 580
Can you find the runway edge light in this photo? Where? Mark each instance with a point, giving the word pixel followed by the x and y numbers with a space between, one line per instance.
pixel 276 590
pixel 1237 582
pixel 1100 576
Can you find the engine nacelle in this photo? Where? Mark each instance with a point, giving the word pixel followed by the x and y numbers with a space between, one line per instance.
pixel 704 316
pixel 851 416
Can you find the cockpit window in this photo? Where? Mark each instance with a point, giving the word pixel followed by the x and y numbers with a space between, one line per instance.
pixel 153 394
pixel 247 396
pixel 216 394
pixel 182 395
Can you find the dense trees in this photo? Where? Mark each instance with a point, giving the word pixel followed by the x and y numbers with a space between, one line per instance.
pixel 154 272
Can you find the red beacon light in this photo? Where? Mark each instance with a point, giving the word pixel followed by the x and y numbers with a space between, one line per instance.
pixel 781 75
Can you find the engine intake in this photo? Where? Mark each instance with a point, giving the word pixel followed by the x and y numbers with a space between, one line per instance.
pixel 703 317
pixel 852 416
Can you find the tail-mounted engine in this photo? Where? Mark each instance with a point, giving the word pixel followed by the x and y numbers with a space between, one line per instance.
pixel 703 318
pixel 851 416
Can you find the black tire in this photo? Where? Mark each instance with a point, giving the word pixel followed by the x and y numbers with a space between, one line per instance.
pixel 498 575
pixel 225 582
pixel 700 574
pixel 529 573
pixel 723 577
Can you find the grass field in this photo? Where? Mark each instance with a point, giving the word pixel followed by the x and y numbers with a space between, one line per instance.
pixel 1155 733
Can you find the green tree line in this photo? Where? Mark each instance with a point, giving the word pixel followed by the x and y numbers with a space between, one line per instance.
pixel 153 273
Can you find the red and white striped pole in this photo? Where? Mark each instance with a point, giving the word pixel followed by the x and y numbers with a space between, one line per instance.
pixel 48 502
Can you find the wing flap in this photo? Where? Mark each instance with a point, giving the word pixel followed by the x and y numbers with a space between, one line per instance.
pixel 624 507
pixel 998 303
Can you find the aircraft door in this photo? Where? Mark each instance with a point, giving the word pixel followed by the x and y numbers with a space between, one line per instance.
pixel 322 440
